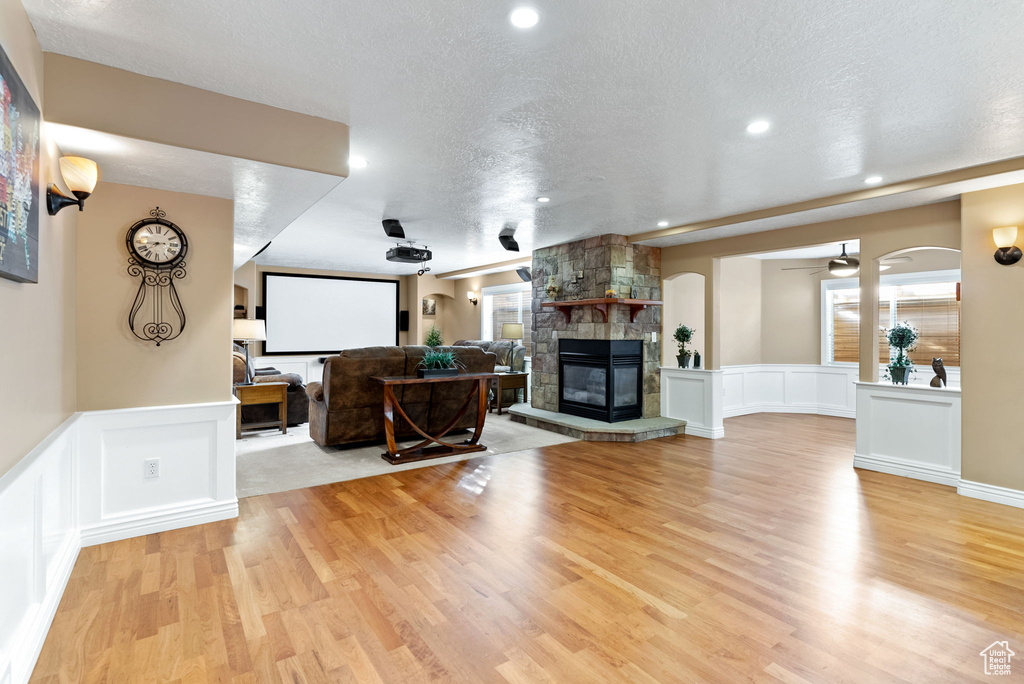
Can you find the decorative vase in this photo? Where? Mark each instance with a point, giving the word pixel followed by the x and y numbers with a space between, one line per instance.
pixel 683 360
pixel 696 359
pixel 899 374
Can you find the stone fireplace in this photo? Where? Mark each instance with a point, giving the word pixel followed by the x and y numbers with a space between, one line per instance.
pixel 586 270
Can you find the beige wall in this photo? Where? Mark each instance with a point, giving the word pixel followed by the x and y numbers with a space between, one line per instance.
pixel 429 287
pixel 116 369
pixel 741 311
pixel 684 305
pixel 879 235
pixel 103 98
pixel 37 319
pixel 992 311
pixel 463 318
pixel 250 275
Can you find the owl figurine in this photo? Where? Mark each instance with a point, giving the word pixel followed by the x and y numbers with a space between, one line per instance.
pixel 940 373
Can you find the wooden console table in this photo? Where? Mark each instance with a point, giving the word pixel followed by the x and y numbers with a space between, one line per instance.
pixel 421 451
pixel 635 306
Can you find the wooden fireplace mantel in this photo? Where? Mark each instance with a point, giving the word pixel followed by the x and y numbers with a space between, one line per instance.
pixel 635 306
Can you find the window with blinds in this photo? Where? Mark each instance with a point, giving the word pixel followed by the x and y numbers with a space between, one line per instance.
pixel 505 304
pixel 926 301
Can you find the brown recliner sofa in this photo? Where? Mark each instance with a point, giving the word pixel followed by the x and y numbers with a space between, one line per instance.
pixel 348 407
pixel 297 408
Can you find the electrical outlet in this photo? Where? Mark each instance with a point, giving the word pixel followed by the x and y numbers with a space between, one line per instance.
pixel 151 468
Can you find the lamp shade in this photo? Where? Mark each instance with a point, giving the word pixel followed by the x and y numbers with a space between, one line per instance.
pixel 250 329
pixel 1004 237
pixel 512 331
pixel 79 174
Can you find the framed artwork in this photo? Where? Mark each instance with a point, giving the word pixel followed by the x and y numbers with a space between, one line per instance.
pixel 19 177
pixel 429 307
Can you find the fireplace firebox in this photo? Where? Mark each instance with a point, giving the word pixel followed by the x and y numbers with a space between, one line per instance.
pixel 601 379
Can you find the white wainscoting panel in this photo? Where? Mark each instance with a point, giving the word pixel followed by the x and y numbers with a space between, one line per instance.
pixel 789 388
pixel 195 445
pixel 909 430
pixel 693 395
pixel 39 544
pixel 85 484
pixel 309 367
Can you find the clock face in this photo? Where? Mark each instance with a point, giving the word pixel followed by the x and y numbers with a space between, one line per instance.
pixel 158 243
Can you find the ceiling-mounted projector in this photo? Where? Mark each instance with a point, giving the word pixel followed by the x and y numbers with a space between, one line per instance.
pixel 408 254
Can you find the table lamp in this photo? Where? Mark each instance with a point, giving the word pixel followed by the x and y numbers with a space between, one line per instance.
pixel 248 330
pixel 511 331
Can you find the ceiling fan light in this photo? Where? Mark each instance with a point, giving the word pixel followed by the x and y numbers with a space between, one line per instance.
pixel 843 267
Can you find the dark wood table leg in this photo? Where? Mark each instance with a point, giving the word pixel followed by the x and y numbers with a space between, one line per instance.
pixel 499 396
pixel 282 412
pixel 422 452
pixel 389 422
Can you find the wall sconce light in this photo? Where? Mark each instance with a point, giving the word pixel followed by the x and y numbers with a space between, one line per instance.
pixel 80 175
pixel 1008 254
pixel 471 296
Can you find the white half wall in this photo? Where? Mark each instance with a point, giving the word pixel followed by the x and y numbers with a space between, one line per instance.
pixel 693 395
pixel 789 388
pixel 309 367
pixel 909 430
pixel 85 484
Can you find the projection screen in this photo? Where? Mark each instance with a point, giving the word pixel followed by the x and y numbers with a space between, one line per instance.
pixel 325 314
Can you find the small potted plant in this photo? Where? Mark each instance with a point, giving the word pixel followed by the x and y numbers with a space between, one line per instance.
pixel 902 337
pixel 683 335
pixel 434 337
pixel 438 364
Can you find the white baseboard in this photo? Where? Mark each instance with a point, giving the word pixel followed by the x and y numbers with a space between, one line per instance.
pixel 987 492
pixel 153 520
pixel 704 431
pixel 912 469
pixel 815 409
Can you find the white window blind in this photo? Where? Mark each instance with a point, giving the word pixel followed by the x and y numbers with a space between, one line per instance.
pixel 928 301
pixel 505 304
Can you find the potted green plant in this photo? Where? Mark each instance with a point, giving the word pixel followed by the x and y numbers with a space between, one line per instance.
pixel 902 337
pixel 438 364
pixel 434 337
pixel 683 335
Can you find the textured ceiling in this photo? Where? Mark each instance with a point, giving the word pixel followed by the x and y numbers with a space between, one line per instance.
pixel 623 113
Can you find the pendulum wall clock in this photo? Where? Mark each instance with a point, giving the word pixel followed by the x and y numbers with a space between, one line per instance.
pixel 156 255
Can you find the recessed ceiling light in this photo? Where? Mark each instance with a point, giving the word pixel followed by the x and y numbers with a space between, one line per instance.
pixel 663 224
pixel 524 17
pixel 758 126
pixel 357 162
pixel 873 180
pixel 543 199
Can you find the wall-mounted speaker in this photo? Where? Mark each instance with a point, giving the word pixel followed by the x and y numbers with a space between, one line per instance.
pixel 403 321
pixel 261 313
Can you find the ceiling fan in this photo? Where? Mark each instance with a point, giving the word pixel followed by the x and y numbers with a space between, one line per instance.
pixel 844 265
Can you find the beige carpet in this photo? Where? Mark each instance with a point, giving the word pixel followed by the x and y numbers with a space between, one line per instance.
pixel 268 461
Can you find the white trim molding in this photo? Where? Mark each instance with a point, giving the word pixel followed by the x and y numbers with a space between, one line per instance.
pixel 789 388
pixel 993 493
pixel 693 395
pixel 909 430
pixel 85 484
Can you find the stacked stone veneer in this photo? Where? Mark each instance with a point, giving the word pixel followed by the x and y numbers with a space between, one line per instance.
pixel 607 262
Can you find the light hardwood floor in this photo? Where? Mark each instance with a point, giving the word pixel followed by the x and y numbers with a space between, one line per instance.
pixel 764 557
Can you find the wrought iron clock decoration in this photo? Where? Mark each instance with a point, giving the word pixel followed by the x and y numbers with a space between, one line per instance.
pixel 156 255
